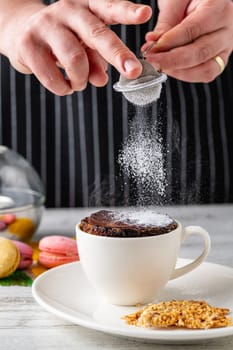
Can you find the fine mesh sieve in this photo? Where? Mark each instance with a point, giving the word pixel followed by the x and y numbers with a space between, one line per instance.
pixel 143 90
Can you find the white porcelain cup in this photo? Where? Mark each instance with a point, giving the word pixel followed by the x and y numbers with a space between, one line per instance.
pixel 128 271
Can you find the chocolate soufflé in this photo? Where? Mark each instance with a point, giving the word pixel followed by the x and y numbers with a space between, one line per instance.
pixel 137 223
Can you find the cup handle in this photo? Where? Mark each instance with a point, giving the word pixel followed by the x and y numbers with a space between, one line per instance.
pixel 193 230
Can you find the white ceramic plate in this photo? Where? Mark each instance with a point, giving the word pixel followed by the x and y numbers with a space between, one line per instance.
pixel 65 292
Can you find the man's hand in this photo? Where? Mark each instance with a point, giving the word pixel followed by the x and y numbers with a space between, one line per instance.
pixel 188 35
pixel 70 34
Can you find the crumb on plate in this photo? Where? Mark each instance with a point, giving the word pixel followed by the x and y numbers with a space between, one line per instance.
pixel 190 314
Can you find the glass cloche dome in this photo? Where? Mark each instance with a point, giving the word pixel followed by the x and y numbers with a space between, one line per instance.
pixel 22 196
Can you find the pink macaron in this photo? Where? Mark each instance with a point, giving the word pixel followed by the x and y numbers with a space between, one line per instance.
pixel 57 250
pixel 25 254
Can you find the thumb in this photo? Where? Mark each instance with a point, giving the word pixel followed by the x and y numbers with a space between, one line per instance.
pixel 170 14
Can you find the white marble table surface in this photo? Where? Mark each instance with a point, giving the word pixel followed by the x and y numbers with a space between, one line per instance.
pixel 26 325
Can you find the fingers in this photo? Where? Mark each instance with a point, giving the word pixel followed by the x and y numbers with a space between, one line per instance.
pixel 124 12
pixel 91 28
pixel 98 67
pixel 20 67
pixel 202 20
pixel 196 53
pixel 194 62
pixel 71 55
pixel 186 50
pixel 170 14
pixel 75 36
pixel 99 37
pixel 205 72
pixel 48 74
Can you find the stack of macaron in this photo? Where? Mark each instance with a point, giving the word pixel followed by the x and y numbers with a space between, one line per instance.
pixel 57 250
pixel 53 251
pixel 13 255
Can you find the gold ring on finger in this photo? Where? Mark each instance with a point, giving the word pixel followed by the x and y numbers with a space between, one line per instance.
pixel 220 62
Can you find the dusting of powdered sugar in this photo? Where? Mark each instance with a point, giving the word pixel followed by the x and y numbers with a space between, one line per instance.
pixel 142 159
pixel 143 218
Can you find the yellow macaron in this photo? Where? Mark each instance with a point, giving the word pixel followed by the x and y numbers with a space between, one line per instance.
pixel 9 257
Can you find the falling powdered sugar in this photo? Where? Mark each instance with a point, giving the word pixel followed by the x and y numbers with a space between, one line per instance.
pixel 142 159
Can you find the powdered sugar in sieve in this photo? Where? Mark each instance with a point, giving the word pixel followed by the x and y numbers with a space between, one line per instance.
pixel 143 90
